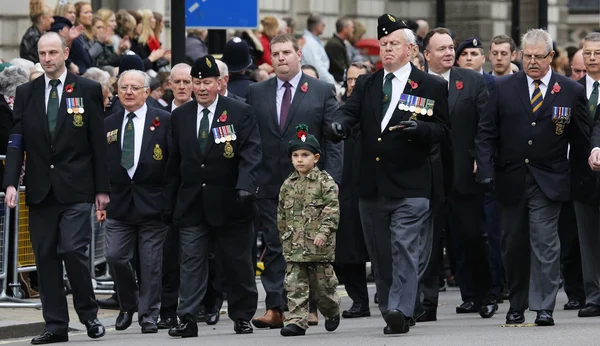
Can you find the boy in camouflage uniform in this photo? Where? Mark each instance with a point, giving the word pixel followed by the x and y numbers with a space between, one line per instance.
pixel 307 218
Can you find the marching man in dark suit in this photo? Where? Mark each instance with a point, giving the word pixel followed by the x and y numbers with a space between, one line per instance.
pixel 210 191
pixel 58 118
pixel 522 147
pixel 138 151
pixel 280 104
pixel 402 112
pixel 467 101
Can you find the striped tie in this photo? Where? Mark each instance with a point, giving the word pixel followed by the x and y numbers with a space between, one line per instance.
pixel 536 97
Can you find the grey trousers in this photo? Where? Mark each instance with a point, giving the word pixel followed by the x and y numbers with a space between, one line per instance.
pixel 392 229
pixel 588 225
pixel 122 238
pixel 531 249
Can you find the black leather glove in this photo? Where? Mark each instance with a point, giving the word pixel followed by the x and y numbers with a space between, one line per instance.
pixel 244 196
pixel 167 216
pixel 410 126
pixel 337 132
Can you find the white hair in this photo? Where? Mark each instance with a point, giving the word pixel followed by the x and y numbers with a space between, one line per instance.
pixel 410 36
pixel 97 75
pixel 11 77
pixel 535 36
pixel 181 66
pixel 147 78
pixel 223 70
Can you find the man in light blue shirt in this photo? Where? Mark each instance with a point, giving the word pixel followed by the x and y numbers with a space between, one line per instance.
pixel 313 52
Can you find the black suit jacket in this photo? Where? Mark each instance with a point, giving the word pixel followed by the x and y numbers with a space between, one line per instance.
pixel 511 141
pixel 235 97
pixel 144 190
pixel 489 81
pixel 315 108
pixel 586 186
pixel 74 164
pixel 396 164
pixel 6 118
pixel 466 106
pixel 203 187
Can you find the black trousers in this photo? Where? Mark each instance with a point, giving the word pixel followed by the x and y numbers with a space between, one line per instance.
pixel 467 219
pixel 170 274
pixel 355 282
pixel 62 232
pixel 430 285
pixel 570 253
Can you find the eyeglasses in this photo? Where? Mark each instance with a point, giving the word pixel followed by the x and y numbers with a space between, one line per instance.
pixel 589 53
pixel 538 57
pixel 134 88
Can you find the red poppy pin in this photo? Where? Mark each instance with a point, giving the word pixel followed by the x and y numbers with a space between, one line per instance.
pixel 459 85
pixel 304 87
pixel 155 123
pixel 413 84
pixel 69 88
pixel 223 117
pixel 556 88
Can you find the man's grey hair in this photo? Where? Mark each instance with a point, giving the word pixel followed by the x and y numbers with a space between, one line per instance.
pixel 181 66
pixel 147 78
pixel 11 77
pixel 592 37
pixel 55 34
pixel 535 36
pixel 313 20
pixel 223 70
pixel 410 36
pixel 98 75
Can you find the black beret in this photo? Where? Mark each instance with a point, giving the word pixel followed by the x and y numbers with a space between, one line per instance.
pixel 59 23
pixel 471 42
pixel 205 67
pixel 130 62
pixel 304 141
pixel 387 23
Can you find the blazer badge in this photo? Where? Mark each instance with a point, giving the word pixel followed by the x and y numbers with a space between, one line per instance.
pixel 228 150
pixel 158 154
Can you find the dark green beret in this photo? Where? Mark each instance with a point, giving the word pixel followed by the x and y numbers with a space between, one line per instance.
pixel 304 140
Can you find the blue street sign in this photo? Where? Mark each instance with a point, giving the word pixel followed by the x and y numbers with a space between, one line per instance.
pixel 221 14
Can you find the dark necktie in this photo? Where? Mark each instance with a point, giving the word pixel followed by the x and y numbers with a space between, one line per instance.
pixel 387 93
pixel 536 97
pixel 593 102
pixel 203 130
pixel 285 104
pixel 53 104
pixel 127 151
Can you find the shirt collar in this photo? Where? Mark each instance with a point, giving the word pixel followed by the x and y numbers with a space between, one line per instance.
pixel 212 108
pixel 62 78
pixel 174 106
pixel 445 75
pixel 402 73
pixel 589 81
pixel 140 112
pixel 294 81
pixel 545 80
pixel 312 175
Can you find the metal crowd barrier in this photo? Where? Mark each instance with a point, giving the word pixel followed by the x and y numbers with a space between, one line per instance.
pixel 104 283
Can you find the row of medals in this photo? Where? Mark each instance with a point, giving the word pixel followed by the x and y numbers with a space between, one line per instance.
pixel 79 110
pixel 227 138
pixel 415 109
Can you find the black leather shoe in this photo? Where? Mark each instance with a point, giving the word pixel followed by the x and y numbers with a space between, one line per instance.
pixel 387 330
pixel 149 327
pixel 292 330
pixel 396 322
pixel 590 310
pixel 467 307
pixel 185 329
pixel 573 305
pixel 49 338
pixel 212 318
pixel 544 318
pixel 167 323
pixel 332 323
pixel 110 304
pixel 242 327
pixel 515 317
pixel 357 310
pixel 488 309
pixel 95 329
pixel 124 320
pixel 427 316
pixel 411 321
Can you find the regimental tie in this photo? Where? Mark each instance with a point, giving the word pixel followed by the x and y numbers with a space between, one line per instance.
pixel 53 104
pixel 536 97
pixel 128 143
pixel 203 130
pixel 387 93
pixel 593 102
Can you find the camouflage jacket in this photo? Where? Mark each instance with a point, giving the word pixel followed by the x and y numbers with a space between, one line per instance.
pixel 308 209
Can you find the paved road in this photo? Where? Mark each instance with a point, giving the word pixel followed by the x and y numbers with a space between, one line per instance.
pixel 450 329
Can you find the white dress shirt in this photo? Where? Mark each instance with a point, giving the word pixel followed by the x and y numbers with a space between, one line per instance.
pixel 139 121
pixel 543 86
pixel 211 115
pixel 174 106
pixel 59 88
pixel 398 84
pixel 281 90
pixel 313 53
pixel 590 86
pixel 445 75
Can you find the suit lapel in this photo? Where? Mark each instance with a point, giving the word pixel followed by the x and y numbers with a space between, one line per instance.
pixel 296 101
pixel 272 101
pixel 221 106
pixel 523 91
pixel 62 110
pixel 377 95
pixel 148 134
pixel 39 102
pixel 549 97
pixel 453 92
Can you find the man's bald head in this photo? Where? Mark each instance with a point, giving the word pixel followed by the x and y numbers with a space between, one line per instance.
pixel 577 66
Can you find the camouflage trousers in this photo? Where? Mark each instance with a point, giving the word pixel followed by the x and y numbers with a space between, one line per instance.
pixel 315 279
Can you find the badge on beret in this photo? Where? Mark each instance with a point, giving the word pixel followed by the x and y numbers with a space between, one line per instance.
pixel 391 18
pixel 474 42
pixel 205 67
pixel 208 63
